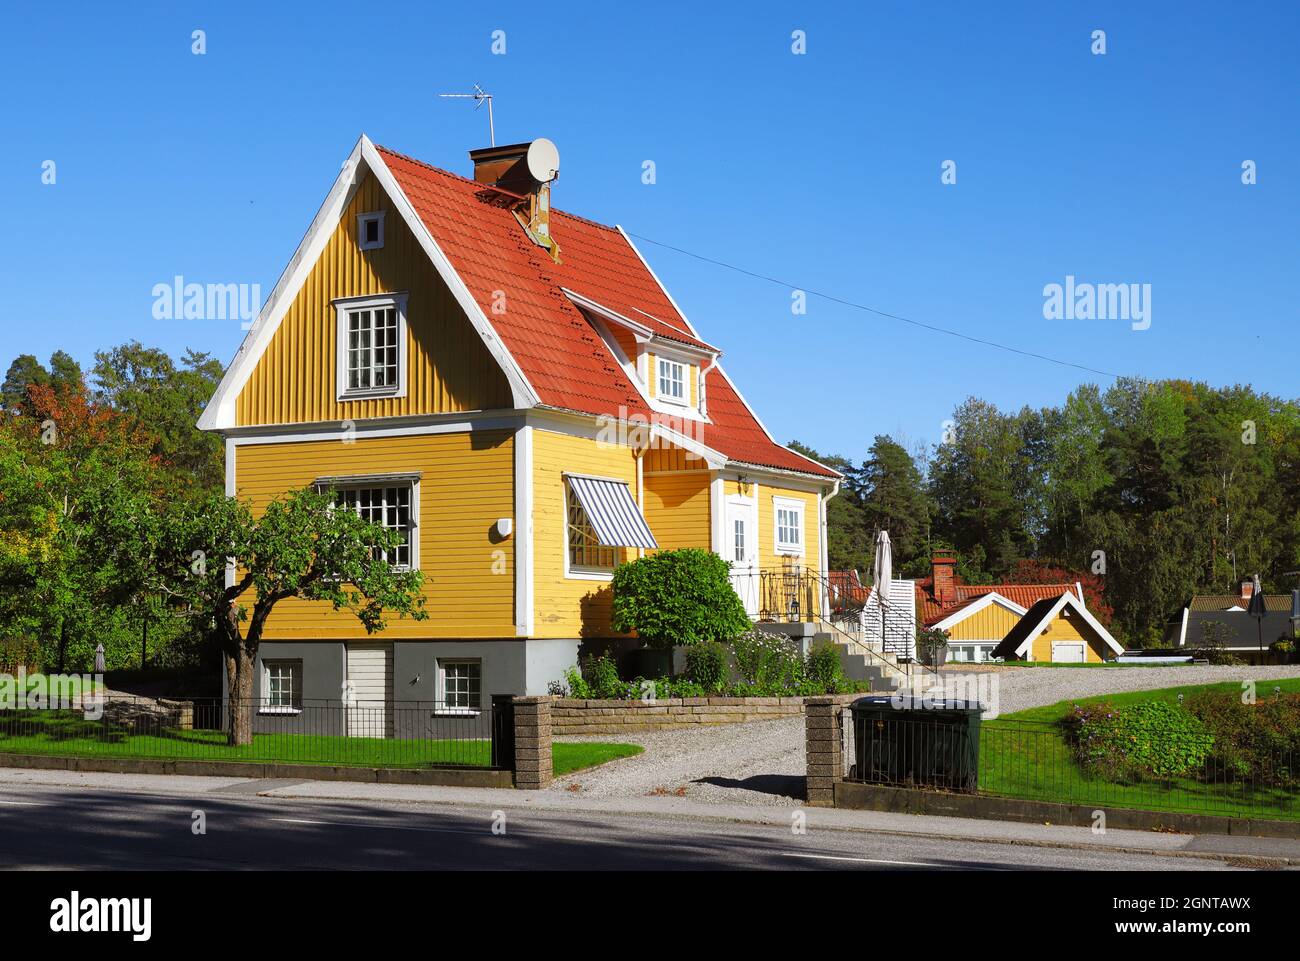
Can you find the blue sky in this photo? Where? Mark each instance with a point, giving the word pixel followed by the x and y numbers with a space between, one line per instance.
pixel 821 169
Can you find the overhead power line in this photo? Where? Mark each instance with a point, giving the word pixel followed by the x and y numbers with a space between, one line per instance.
pixel 880 313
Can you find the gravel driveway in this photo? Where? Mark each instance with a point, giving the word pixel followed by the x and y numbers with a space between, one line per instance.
pixel 762 762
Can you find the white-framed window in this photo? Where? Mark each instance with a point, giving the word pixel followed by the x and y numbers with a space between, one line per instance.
pixel 371 346
pixel 460 685
pixel 370 230
pixel 392 506
pixel 789 525
pixel 738 540
pixel 281 687
pixel 584 554
pixel 672 380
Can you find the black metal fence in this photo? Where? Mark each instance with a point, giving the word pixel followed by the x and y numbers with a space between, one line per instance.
pixel 1037 761
pixel 402 734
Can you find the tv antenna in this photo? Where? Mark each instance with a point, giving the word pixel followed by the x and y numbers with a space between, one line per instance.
pixel 479 98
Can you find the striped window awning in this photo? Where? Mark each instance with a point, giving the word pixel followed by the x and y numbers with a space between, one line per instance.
pixel 613 514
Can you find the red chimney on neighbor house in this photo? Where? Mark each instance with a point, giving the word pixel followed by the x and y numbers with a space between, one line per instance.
pixel 943 565
pixel 1247 589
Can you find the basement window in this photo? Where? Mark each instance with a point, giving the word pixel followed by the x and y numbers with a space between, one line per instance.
pixel 370 230
pixel 281 687
pixel 460 685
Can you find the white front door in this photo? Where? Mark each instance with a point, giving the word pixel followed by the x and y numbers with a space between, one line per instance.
pixel 1067 653
pixel 370 690
pixel 740 547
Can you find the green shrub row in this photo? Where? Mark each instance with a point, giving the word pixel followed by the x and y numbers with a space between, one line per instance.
pixel 766 665
pixel 1222 736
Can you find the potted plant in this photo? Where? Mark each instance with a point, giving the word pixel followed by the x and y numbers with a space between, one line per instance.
pixel 932 645
pixel 1284 650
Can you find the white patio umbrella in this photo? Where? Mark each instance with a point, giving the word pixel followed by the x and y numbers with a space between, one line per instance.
pixel 881 572
pixel 99 658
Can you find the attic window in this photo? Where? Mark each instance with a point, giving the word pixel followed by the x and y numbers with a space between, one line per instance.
pixel 672 381
pixel 371 346
pixel 370 230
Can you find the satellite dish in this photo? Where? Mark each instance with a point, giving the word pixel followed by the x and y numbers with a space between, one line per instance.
pixel 543 160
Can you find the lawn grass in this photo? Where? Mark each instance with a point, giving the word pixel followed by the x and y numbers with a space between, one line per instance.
pixel 68 733
pixel 567 756
pixel 1026 755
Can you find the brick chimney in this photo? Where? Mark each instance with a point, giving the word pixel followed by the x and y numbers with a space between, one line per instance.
pixel 1247 588
pixel 943 566
pixel 521 175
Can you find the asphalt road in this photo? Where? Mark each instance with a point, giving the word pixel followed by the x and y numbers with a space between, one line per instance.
pixel 48 827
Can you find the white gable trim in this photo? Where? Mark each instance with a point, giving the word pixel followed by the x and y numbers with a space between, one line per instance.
pixel 220 411
pixel 1071 601
pixel 992 597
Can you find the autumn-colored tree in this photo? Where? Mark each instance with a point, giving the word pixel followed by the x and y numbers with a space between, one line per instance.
pixel 1029 571
pixel 75 479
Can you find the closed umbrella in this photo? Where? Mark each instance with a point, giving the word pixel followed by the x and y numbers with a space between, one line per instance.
pixel 1257 609
pixel 99 658
pixel 881 572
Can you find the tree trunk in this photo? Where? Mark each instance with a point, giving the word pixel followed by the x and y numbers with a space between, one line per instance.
pixel 241 700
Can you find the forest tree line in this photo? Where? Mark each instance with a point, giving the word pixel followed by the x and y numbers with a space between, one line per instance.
pixel 1162 489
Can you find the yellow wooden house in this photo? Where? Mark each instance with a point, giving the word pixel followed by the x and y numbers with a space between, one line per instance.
pixel 1059 630
pixel 513 388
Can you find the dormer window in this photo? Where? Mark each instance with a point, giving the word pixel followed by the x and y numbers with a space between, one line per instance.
pixel 672 381
pixel 370 230
pixel 371 346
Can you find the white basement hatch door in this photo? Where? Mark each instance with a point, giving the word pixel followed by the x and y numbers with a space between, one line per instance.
pixel 612 512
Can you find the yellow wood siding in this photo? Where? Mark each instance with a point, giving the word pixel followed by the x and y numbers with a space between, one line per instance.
pixel 767 555
pixel 1068 629
pixel 677 509
pixel 668 458
pixel 448 368
pixel 569 606
pixel 467 483
pixel 992 623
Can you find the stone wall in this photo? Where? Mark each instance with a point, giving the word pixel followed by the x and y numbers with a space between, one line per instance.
pixel 572 716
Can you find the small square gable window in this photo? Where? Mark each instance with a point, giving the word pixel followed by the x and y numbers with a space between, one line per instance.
pixel 370 230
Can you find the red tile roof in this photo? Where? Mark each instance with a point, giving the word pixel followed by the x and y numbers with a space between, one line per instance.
pixel 1025 595
pixel 561 355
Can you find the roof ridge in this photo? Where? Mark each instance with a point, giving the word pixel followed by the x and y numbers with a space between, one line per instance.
pixel 474 183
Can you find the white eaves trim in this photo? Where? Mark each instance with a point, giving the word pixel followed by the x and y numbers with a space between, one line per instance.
pixel 992 597
pixel 1073 602
pixel 220 411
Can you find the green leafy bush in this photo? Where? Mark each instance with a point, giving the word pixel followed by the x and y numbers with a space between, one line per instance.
pixel 1153 738
pixel 767 662
pixel 1259 741
pixel 823 669
pixel 677 598
pixel 706 666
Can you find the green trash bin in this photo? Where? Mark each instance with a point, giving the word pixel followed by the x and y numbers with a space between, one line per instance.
pixel 917 742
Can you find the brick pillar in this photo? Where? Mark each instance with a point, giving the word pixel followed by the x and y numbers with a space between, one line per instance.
pixel 824 749
pixel 532 766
